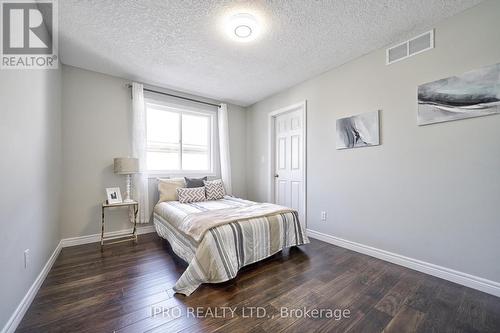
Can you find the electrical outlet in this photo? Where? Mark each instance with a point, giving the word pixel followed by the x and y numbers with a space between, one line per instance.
pixel 26 258
pixel 323 216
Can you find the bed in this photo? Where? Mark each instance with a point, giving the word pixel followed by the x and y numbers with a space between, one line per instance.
pixel 218 237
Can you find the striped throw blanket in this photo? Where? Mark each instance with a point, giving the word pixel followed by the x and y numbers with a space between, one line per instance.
pixel 225 247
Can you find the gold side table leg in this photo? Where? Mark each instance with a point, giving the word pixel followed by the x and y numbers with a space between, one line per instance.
pixel 102 227
pixel 136 210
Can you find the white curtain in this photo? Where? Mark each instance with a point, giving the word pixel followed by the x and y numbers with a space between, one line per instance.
pixel 140 190
pixel 225 158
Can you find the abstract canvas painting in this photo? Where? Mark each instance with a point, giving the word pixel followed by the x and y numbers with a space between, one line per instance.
pixel 473 94
pixel 358 131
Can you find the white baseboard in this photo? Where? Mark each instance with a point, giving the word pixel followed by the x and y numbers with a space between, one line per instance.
pixel 21 309
pixel 66 242
pixel 471 281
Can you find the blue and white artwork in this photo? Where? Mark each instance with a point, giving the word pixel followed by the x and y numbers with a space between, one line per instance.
pixel 473 94
pixel 361 130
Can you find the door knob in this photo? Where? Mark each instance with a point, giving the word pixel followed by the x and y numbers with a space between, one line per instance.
pixel 276 176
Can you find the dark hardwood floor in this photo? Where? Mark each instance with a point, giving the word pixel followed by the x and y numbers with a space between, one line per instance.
pixel 120 288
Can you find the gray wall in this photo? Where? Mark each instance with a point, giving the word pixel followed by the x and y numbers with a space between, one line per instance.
pixel 430 193
pixel 30 146
pixel 96 128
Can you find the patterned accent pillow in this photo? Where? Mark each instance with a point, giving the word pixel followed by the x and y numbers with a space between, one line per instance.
pixel 193 194
pixel 214 189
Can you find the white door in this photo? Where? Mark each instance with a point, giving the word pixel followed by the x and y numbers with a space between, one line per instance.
pixel 289 184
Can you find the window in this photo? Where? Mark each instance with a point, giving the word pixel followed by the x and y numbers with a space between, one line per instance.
pixel 179 140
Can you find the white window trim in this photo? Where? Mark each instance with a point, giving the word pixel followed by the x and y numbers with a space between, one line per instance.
pixel 182 109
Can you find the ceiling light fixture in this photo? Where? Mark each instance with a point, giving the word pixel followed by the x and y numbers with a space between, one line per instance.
pixel 243 31
pixel 242 27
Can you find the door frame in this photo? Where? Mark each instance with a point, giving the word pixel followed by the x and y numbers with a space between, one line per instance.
pixel 302 106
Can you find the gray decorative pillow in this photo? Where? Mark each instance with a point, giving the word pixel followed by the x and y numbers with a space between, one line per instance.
pixel 195 182
pixel 187 195
pixel 214 189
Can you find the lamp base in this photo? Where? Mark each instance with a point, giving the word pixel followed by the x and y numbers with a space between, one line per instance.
pixel 127 193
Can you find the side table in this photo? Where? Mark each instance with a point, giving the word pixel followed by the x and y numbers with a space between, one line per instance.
pixel 133 236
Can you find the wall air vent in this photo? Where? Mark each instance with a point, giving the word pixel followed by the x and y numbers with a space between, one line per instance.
pixel 409 48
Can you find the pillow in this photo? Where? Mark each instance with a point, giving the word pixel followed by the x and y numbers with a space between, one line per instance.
pixel 167 188
pixel 194 194
pixel 214 189
pixel 195 182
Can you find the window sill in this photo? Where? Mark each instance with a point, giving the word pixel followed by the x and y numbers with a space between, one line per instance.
pixel 167 174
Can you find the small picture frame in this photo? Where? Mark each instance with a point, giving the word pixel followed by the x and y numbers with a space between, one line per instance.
pixel 114 195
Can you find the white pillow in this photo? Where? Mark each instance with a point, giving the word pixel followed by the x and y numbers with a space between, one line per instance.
pixel 167 188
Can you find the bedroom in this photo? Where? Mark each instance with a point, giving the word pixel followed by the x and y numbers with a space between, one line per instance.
pixel 385 214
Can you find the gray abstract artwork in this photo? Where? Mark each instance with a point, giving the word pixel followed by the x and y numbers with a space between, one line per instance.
pixel 473 94
pixel 358 131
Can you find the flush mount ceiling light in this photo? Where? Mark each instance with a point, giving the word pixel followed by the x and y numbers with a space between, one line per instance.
pixel 243 31
pixel 242 27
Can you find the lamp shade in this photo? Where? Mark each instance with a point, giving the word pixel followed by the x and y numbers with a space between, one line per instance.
pixel 126 165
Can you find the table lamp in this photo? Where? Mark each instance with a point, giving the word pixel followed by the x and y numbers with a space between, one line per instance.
pixel 126 166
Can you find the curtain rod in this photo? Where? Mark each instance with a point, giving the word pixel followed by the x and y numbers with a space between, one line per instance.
pixel 177 96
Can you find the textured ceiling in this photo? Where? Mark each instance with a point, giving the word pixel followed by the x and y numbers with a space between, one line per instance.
pixel 180 44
